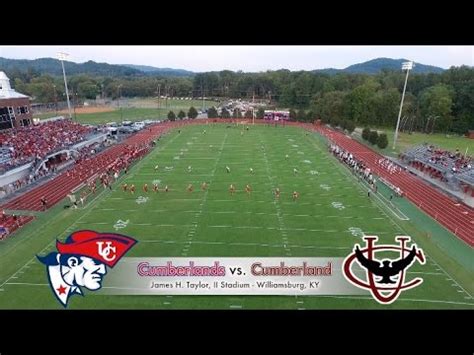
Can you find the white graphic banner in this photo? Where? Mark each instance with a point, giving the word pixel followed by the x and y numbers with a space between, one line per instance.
pixel 228 276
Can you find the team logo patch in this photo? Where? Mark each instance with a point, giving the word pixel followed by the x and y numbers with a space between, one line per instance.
pixel 121 224
pixel 82 261
pixel 141 200
pixel 386 278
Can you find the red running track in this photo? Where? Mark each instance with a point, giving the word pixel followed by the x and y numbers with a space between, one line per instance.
pixel 12 225
pixel 58 188
pixel 455 216
pixel 458 218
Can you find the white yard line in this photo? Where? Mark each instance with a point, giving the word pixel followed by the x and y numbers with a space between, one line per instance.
pixel 89 205
pixel 405 232
pixel 54 240
pixel 284 235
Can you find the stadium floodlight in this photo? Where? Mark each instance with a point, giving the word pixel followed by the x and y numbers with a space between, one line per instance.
pixel 405 66
pixel 62 57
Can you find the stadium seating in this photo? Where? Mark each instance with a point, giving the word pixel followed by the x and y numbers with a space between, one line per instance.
pixel 116 157
pixel 455 216
pixel 10 223
pixel 25 144
pixel 449 167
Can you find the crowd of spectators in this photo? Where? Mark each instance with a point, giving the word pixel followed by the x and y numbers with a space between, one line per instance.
pixel 439 163
pixel 22 145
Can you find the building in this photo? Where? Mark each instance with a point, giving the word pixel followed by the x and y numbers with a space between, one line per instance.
pixel 276 115
pixel 14 107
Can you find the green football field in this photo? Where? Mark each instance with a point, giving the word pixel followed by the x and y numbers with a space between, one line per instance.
pixel 331 214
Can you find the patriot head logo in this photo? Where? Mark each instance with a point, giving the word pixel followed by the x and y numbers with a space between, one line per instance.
pixel 384 278
pixel 82 260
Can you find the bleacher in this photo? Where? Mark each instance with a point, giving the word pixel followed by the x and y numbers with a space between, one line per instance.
pixel 5 155
pixel 28 143
pixel 10 223
pixel 454 169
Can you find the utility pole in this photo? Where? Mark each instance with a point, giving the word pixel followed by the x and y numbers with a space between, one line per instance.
pixel 159 95
pixel 62 57
pixel 253 108
pixel 202 95
pixel 74 97
pixel 407 66
pixel 434 120
pixel 427 122
pixel 119 97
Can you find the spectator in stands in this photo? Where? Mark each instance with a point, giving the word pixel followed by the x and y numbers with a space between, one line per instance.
pixel 34 142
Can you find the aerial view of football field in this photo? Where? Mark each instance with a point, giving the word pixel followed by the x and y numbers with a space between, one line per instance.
pixel 240 190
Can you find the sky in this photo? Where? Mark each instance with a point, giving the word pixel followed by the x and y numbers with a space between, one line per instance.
pixel 247 58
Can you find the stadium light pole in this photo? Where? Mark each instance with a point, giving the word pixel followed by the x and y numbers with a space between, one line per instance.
pixel 408 66
pixel 62 57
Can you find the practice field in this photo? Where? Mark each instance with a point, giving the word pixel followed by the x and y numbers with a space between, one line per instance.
pixel 328 218
pixel 131 110
pixel 405 141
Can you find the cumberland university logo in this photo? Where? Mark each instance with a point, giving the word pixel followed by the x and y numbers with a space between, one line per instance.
pixel 82 260
pixel 384 278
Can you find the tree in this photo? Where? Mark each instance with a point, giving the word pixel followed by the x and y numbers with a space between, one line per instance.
pixel 310 116
pixel 248 114
pixel 292 115
pixel 366 133
pixel 171 116
pixel 331 105
pixel 335 122
pixel 212 113
pixel 192 113
pixel 373 137
pixel 382 141
pixel 350 126
pixel 181 114
pixel 361 103
pixel 436 102
pixel 386 104
pixel 301 116
pixel 260 113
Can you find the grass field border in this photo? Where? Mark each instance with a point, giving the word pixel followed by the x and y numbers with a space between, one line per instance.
pixel 250 302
